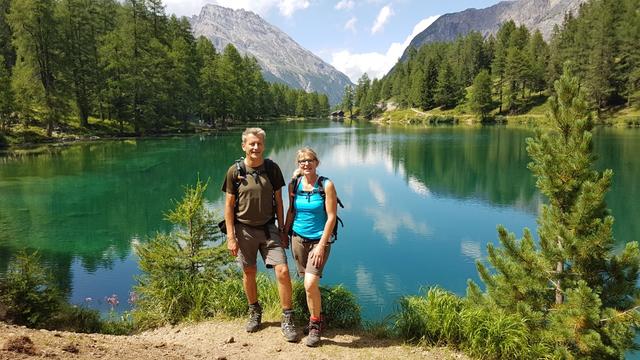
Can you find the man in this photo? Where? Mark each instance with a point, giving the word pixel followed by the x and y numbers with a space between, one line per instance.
pixel 253 201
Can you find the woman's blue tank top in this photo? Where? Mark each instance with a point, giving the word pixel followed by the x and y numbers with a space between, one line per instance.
pixel 310 216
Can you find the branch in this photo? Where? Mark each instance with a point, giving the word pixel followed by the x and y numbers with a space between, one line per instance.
pixel 635 308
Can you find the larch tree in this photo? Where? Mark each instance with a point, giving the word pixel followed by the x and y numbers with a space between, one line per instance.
pixel 576 289
pixel 481 101
pixel 36 40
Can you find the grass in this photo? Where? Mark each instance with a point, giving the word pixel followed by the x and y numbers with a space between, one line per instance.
pixel 442 318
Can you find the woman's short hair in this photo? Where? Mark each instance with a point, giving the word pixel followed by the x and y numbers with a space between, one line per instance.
pixel 302 152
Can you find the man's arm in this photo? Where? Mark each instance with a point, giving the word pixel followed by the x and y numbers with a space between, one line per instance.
pixel 281 221
pixel 229 218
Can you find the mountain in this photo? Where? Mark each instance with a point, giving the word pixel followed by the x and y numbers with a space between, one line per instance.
pixel 280 57
pixel 534 14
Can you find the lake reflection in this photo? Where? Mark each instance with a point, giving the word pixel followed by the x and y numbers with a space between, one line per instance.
pixel 420 204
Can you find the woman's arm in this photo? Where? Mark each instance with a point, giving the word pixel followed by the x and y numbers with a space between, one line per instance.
pixel 331 206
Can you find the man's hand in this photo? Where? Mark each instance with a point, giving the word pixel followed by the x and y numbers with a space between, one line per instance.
pixel 284 240
pixel 232 245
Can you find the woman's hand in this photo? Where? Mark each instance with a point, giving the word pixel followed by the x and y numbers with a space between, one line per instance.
pixel 318 255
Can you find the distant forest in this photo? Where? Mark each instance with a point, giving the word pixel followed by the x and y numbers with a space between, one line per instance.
pixel 129 62
pixel 602 43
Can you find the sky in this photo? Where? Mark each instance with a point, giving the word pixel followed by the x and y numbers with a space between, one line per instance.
pixel 355 36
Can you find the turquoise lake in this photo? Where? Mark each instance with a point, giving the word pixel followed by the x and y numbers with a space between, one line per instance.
pixel 420 203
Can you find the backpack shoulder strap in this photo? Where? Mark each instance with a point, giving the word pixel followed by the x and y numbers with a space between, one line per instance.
pixel 240 174
pixel 321 180
pixel 269 168
pixel 293 184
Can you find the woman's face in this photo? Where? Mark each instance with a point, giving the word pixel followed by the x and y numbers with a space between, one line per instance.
pixel 307 164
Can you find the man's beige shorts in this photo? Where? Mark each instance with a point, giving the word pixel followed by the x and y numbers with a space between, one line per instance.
pixel 253 239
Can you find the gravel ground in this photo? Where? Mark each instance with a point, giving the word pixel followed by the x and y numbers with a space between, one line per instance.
pixel 216 339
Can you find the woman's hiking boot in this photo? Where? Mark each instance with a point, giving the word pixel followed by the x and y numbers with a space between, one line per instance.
pixel 255 317
pixel 314 328
pixel 287 326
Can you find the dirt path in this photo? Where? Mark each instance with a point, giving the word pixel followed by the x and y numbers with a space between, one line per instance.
pixel 207 340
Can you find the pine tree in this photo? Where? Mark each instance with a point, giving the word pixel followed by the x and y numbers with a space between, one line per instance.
pixel 448 90
pixel 481 101
pixel 362 89
pixel 325 108
pixel 347 99
pixel 6 96
pixel 538 58
pixel 6 48
pixel 578 297
pixel 499 64
pixel 230 75
pixel 79 41
pixel 180 269
pixel 37 43
pixel 302 105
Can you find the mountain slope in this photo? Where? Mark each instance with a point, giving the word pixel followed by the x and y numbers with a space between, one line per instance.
pixel 281 58
pixel 534 14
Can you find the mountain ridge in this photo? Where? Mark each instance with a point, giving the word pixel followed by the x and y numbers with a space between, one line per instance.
pixel 542 15
pixel 281 58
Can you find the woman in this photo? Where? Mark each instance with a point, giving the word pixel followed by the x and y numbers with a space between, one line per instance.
pixel 310 220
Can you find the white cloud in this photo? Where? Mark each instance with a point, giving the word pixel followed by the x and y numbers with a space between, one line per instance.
pixel 378 192
pixel 344 5
pixel 375 64
pixel 262 7
pixel 288 7
pixel 351 24
pixel 383 16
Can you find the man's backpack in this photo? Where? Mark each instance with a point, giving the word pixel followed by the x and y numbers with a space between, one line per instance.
pixel 321 179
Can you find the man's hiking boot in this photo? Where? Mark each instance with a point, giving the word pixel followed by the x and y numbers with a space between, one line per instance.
pixel 287 326
pixel 255 317
pixel 314 328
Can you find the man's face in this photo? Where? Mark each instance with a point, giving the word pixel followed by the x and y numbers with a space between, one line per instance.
pixel 253 147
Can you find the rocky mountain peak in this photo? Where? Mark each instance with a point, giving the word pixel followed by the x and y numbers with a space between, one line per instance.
pixel 542 15
pixel 280 57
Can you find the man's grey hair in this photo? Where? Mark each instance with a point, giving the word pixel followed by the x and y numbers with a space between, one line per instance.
pixel 253 131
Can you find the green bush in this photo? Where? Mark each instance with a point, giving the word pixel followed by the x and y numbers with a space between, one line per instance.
pixel 28 293
pixel 441 317
pixel 340 309
pixel 29 297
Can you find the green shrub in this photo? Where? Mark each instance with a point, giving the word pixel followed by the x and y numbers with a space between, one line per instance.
pixel 441 317
pixel 28 293
pixel 433 318
pixel 29 297
pixel 77 319
pixel 340 308
pixel 118 324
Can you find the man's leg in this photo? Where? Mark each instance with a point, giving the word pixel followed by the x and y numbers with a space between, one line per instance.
pixel 251 291
pixel 249 283
pixel 284 285
pixel 284 290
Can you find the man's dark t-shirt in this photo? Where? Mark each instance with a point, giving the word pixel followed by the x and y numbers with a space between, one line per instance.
pixel 255 194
